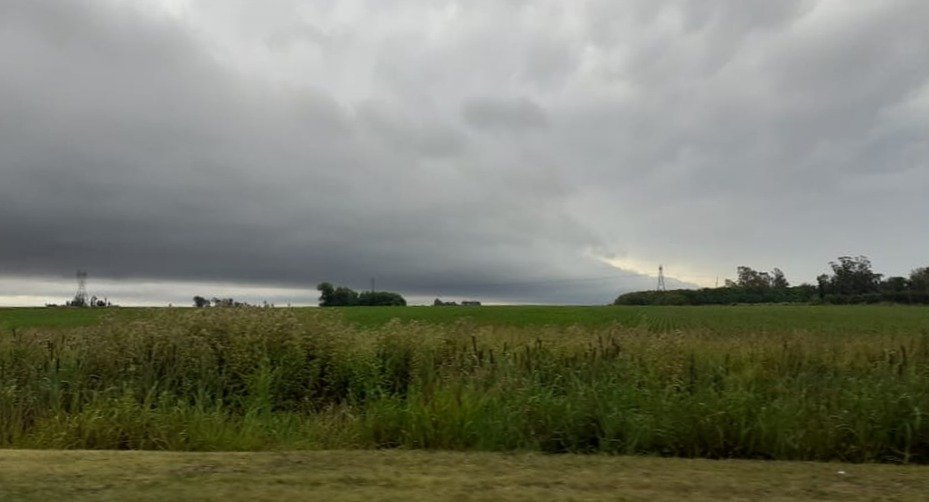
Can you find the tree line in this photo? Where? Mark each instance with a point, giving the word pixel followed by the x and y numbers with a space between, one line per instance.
pixel 331 296
pixel 852 281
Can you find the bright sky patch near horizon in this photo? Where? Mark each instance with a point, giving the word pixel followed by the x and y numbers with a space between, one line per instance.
pixel 509 151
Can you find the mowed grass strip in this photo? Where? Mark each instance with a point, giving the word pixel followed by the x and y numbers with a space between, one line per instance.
pixel 410 475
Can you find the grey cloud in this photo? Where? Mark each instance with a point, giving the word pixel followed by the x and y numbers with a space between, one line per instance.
pixel 282 39
pixel 548 63
pixel 170 167
pixel 489 149
pixel 428 138
pixel 513 114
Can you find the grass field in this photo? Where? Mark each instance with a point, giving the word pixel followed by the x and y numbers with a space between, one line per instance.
pixel 410 475
pixel 719 319
pixel 774 382
pixel 882 319
pixel 31 317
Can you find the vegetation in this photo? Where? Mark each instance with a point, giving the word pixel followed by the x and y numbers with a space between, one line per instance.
pixel 201 302
pixel 832 320
pixel 257 379
pixel 28 317
pixel 852 282
pixel 411 475
pixel 344 297
pixel 728 295
pixel 722 320
pixel 466 303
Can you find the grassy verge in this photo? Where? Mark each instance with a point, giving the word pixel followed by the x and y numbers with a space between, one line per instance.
pixel 405 475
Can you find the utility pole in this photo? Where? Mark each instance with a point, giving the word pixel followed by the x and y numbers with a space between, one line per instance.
pixel 372 285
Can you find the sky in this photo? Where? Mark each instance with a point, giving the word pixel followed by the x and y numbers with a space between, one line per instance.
pixel 509 151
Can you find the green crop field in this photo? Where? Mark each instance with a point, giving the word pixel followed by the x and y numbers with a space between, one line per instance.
pixel 773 382
pixel 19 318
pixel 13 318
pixel 719 319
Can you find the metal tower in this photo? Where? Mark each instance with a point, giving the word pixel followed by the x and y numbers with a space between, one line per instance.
pixel 80 298
pixel 661 285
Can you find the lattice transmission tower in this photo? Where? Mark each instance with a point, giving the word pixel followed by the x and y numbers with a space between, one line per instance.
pixel 80 298
pixel 661 285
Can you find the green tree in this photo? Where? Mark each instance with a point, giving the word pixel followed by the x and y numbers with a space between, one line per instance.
pixel 919 279
pixel 895 284
pixel 331 296
pixel 336 297
pixel 853 276
pixel 381 298
pixel 326 293
pixel 778 280
pixel 753 280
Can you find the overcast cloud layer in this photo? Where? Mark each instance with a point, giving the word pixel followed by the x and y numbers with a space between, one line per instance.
pixel 515 151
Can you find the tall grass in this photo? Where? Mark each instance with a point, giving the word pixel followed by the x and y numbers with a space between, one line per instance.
pixel 268 379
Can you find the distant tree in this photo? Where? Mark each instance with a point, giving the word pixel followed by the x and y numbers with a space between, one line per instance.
pixel 670 298
pixel 754 286
pixel 336 297
pixel 326 291
pixel 853 276
pixel 753 280
pixel 331 296
pixel 852 282
pixel 381 298
pixel 823 285
pixel 778 281
pixel 919 279
pixel 226 302
pixel 895 284
pixel 201 302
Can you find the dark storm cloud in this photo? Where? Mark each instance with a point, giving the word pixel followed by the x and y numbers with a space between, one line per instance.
pixel 500 150
pixel 136 155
